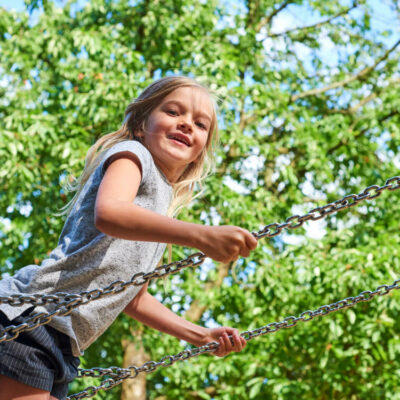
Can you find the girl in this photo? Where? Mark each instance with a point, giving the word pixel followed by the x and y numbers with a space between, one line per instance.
pixel 117 226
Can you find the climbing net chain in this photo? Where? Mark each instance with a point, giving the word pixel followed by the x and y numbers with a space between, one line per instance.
pixel 118 375
pixel 65 303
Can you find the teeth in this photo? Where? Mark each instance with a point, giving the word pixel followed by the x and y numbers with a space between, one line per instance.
pixel 180 140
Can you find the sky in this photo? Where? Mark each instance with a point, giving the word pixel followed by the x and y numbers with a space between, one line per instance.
pixel 12 4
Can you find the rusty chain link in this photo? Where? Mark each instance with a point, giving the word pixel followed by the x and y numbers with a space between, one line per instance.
pixel 65 302
pixel 118 375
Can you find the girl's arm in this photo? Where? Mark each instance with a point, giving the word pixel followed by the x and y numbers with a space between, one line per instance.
pixel 116 215
pixel 148 310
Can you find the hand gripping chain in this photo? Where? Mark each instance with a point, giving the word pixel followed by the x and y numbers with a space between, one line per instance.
pixel 65 303
pixel 118 375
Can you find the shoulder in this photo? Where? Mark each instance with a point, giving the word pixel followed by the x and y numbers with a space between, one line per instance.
pixel 131 146
pixel 131 149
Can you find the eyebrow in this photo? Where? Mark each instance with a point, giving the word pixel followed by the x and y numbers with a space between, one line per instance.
pixel 179 103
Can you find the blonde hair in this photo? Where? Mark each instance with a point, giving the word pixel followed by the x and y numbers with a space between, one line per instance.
pixel 136 115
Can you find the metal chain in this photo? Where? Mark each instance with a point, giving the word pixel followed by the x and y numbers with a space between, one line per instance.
pixel 351 200
pixel 118 375
pixel 65 303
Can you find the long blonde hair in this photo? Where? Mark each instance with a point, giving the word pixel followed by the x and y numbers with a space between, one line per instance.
pixel 136 115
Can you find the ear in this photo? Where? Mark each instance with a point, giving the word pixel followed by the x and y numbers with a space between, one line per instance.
pixel 138 135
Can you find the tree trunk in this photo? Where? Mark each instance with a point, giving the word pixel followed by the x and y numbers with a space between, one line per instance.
pixel 134 354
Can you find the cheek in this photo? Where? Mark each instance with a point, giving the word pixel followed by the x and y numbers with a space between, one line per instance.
pixel 205 141
pixel 151 125
pixel 155 122
pixel 202 146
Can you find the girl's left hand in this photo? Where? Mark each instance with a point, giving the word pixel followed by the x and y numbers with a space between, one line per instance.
pixel 226 344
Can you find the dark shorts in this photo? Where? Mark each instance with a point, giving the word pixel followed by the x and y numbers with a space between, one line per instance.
pixel 41 358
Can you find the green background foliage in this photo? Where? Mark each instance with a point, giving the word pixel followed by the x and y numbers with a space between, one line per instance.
pixel 309 112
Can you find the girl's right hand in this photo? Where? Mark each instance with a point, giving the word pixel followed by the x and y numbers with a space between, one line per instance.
pixel 225 243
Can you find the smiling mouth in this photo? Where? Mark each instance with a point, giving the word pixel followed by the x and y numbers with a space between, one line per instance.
pixel 180 139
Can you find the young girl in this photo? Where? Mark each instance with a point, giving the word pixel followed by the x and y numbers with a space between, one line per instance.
pixel 117 226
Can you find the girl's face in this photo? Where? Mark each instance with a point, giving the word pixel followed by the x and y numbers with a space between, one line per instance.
pixel 177 130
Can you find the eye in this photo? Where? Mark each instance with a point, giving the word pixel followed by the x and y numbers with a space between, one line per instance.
pixel 172 112
pixel 201 125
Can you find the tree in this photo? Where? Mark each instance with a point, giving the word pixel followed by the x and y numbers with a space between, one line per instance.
pixel 308 114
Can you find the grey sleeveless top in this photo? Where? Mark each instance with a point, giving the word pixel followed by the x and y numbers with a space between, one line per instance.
pixel 86 258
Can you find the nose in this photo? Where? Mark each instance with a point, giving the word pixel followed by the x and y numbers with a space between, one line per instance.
pixel 185 124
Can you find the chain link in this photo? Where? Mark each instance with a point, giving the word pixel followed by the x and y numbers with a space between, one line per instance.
pixel 64 303
pixel 118 375
pixel 67 302
pixel 351 200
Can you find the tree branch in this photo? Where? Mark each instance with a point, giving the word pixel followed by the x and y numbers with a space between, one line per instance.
pixel 252 11
pixel 346 81
pixel 373 95
pixel 344 142
pixel 364 101
pixel 267 20
pixel 316 25
pixel 196 309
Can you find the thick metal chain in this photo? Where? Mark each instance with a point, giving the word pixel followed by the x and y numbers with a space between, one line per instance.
pixel 351 200
pixel 118 375
pixel 65 303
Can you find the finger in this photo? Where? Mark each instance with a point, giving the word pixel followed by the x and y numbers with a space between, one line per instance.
pixel 234 256
pixel 243 343
pixel 238 342
pixel 234 340
pixel 217 352
pixel 229 330
pixel 229 256
pixel 227 342
pixel 236 252
pixel 221 348
pixel 251 241
pixel 245 252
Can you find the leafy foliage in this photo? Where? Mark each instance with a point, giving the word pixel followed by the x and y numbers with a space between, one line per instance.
pixel 308 114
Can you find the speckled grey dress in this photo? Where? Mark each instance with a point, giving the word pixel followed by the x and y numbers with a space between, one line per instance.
pixel 86 258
